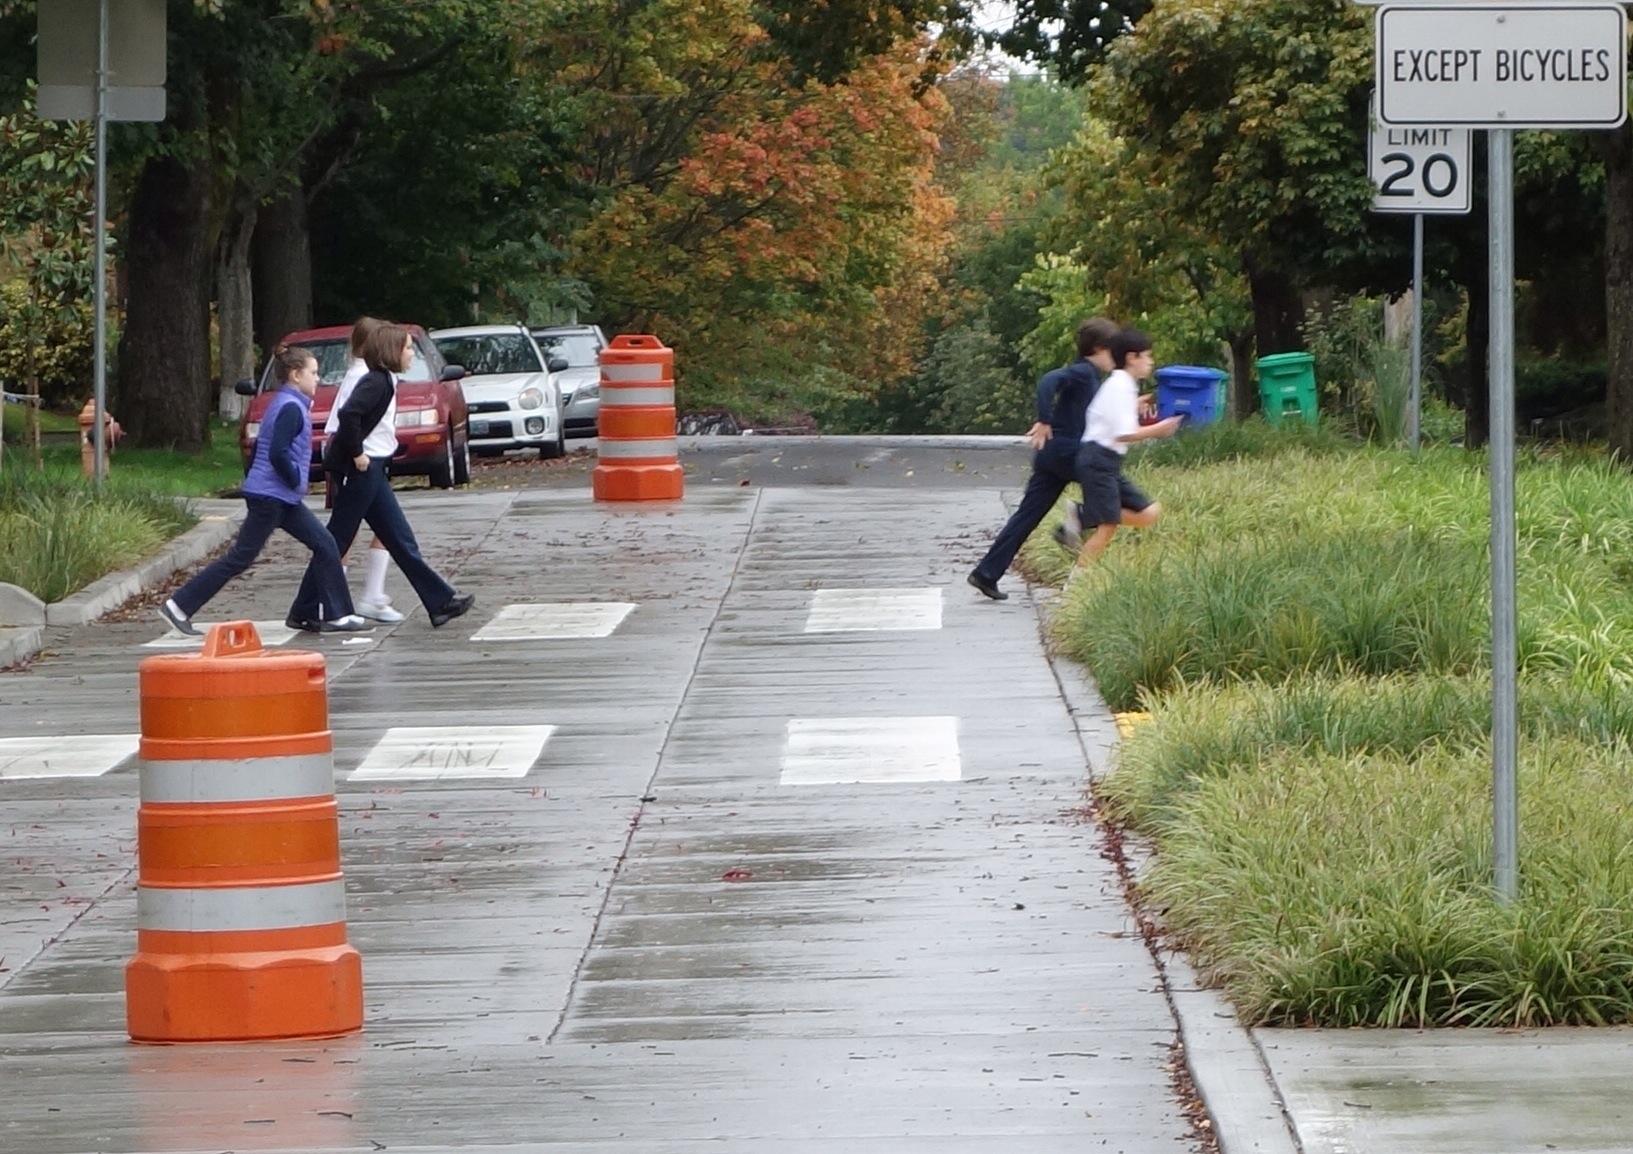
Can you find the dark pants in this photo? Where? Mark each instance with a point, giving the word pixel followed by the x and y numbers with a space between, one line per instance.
pixel 367 496
pixel 1052 471
pixel 265 515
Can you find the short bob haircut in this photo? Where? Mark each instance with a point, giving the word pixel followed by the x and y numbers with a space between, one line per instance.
pixel 1095 333
pixel 382 349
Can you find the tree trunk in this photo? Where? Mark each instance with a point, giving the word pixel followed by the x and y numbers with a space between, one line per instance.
pixel 1278 309
pixel 282 269
pixel 1617 150
pixel 164 350
pixel 32 420
pixel 1244 398
pixel 234 315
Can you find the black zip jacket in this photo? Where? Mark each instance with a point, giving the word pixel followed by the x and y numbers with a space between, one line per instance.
pixel 362 411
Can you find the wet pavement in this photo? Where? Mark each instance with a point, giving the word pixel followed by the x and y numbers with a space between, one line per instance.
pixel 708 881
pixel 771 839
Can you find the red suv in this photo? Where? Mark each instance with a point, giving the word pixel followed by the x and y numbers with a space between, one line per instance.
pixel 433 435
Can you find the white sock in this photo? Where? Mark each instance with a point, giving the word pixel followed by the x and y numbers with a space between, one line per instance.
pixel 374 586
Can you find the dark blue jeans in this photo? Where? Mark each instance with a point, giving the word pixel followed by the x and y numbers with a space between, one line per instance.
pixel 264 515
pixel 367 497
pixel 1052 471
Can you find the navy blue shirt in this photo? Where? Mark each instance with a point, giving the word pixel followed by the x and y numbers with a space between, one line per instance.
pixel 1063 400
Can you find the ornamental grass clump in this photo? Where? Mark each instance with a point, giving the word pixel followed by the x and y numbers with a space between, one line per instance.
pixel 1273 606
pixel 58 535
pixel 1355 891
pixel 1203 731
pixel 1371 563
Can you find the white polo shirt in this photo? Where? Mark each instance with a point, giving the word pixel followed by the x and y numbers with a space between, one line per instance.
pixel 380 441
pixel 1114 412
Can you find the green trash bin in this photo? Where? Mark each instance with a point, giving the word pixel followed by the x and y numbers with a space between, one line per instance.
pixel 1287 385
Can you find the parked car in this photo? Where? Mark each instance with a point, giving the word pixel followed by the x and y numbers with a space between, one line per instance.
pixel 433 435
pixel 510 387
pixel 580 346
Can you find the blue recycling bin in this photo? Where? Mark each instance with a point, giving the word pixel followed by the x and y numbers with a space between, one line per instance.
pixel 1192 391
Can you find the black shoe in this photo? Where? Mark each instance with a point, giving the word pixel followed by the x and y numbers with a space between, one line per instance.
pixel 988 588
pixel 303 626
pixel 179 621
pixel 458 607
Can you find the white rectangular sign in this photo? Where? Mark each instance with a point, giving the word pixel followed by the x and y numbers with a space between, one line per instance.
pixel 1502 65
pixel 1420 168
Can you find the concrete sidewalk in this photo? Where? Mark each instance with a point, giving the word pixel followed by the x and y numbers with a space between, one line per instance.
pixel 766 865
pixel 772 881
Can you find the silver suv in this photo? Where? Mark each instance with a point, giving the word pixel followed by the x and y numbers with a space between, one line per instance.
pixel 580 383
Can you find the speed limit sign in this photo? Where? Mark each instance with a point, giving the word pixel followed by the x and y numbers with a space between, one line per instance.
pixel 1420 168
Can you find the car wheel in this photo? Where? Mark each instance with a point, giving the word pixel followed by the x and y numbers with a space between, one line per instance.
pixel 442 473
pixel 462 463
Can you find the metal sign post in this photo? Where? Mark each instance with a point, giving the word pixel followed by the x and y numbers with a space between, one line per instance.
pixel 1415 406
pixel 99 418
pixel 1502 67
pixel 84 47
pixel 1504 646
pixel 1419 170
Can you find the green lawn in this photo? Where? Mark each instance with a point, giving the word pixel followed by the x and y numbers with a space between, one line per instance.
pixel 216 471
pixel 1309 629
pixel 57 534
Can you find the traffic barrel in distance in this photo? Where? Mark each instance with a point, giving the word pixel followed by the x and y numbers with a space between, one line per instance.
pixel 240 904
pixel 637 458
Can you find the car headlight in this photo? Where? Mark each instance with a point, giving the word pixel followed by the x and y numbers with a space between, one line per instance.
pixel 252 430
pixel 531 399
pixel 593 389
pixel 412 417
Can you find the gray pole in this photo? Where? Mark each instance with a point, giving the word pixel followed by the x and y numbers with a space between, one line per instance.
pixel 1504 647
pixel 1415 405
pixel 100 378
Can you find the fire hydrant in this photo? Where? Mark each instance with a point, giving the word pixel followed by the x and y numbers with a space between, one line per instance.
pixel 87 444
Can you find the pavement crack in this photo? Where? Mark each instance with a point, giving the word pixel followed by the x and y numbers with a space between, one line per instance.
pixel 649 794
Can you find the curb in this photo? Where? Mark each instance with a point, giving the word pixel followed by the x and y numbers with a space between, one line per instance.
pixel 107 593
pixel 1226 1065
pixel 743 444
pixel 20 644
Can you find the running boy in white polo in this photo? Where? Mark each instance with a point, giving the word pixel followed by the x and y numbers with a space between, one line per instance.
pixel 1113 423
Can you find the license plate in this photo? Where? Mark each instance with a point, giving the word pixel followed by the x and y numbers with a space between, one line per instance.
pixel 479 428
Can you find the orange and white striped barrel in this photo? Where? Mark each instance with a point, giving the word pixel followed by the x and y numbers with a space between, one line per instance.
pixel 240 903
pixel 637 458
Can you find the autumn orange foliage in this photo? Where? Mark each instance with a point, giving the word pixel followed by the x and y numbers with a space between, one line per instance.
pixel 764 228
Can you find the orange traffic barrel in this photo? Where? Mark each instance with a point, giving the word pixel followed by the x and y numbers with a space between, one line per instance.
pixel 637 458
pixel 240 904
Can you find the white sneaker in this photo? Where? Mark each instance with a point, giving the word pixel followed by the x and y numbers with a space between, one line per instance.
pixel 351 624
pixel 380 611
pixel 1070 533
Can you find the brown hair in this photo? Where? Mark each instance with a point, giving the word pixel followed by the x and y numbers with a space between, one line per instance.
pixel 382 349
pixel 361 331
pixel 287 360
pixel 1095 333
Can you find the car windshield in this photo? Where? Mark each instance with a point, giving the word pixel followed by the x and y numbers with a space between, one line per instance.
pixel 580 349
pixel 335 357
pixel 487 355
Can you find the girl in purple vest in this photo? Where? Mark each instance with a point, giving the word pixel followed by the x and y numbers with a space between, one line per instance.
pixel 273 489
